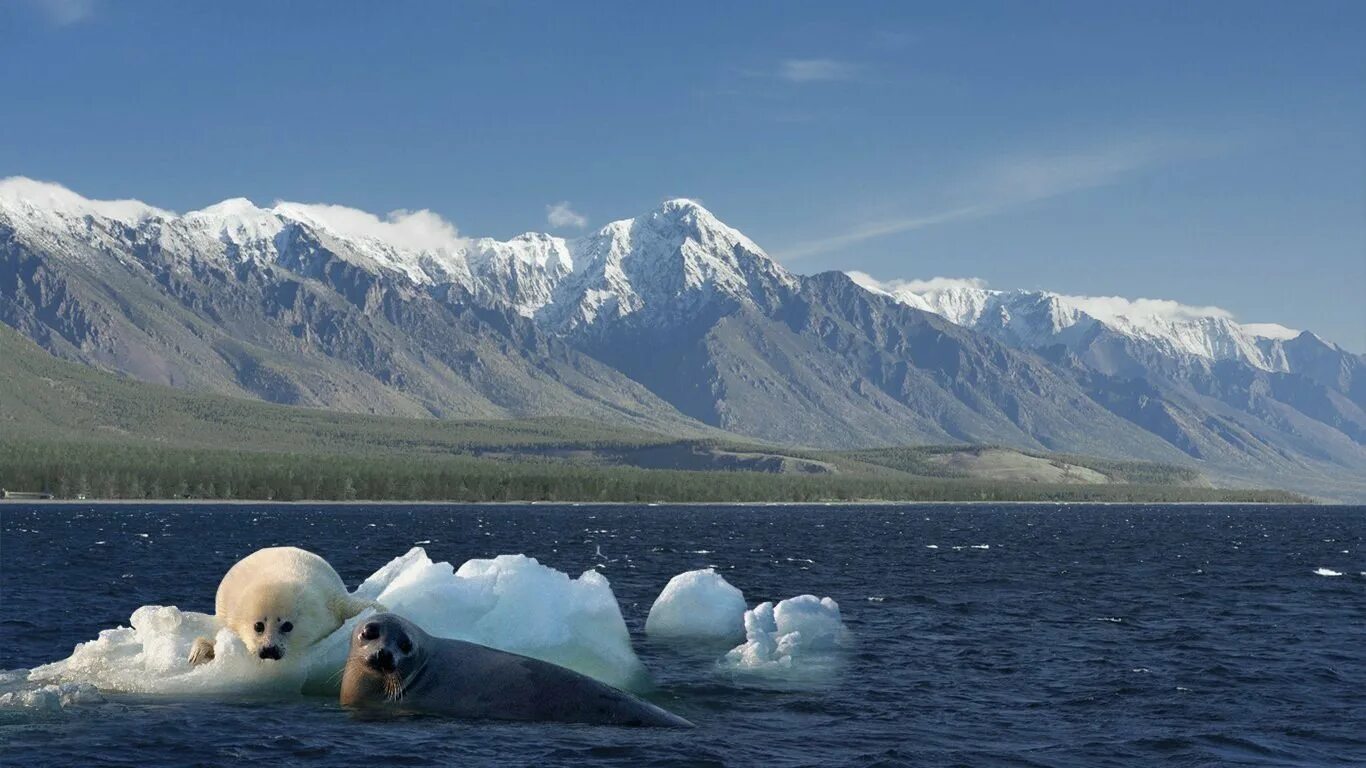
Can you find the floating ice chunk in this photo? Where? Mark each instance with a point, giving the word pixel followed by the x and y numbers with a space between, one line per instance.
pixel 152 656
pixel 52 698
pixel 797 636
pixel 1327 572
pixel 698 604
pixel 510 602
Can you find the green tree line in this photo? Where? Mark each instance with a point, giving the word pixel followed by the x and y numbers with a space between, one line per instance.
pixel 72 470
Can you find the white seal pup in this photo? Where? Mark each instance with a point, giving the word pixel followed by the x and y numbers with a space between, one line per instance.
pixel 395 665
pixel 278 599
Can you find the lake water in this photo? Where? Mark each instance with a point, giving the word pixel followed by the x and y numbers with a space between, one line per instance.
pixel 983 635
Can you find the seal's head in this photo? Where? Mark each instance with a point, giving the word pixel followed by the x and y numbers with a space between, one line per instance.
pixel 385 657
pixel 272 618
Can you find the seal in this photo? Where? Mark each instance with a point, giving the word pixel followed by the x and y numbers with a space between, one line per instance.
pixel 280 598
pixel 394 665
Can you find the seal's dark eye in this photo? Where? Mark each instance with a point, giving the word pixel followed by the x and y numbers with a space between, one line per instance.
pixel 405 645
pixel 260 627
pixel 288 626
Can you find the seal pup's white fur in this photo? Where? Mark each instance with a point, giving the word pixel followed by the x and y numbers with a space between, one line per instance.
pixel 280 600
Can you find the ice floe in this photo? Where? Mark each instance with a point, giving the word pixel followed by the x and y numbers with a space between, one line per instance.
pixel 52 698
pixel 510 602
pixel 698 604
pixel 792 638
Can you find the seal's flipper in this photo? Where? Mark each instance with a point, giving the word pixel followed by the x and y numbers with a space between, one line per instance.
pixel 201 652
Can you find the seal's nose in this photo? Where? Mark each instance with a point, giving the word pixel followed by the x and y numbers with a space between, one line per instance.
pixel 381 660
pixel 270 652
pixel 369 631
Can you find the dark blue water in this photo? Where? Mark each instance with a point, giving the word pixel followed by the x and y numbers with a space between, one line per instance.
pixel 1084 636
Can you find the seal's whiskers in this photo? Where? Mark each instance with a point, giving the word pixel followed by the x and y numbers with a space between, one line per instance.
pixel 393 688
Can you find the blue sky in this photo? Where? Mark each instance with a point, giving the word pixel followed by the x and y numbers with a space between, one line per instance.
pixel 1211 153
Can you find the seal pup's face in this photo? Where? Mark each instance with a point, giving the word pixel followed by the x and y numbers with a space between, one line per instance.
pixel 274 620
pixel 384 659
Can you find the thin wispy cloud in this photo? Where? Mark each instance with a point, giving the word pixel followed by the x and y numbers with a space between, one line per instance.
pixel 875 230
pixel 64 12
pixel 1027 179
pixel 1009 183
pixel 816 70
pixel 562 215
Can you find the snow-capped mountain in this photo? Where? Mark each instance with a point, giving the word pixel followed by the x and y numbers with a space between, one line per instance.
pixel 1038 319
pixel 670 260
pixel 671 319
pixel 661 267
pixel 301 304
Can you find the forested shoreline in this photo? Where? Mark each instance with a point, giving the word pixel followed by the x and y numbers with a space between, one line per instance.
pixel 112 471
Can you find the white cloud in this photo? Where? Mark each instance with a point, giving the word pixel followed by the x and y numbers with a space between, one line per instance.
pixel 21 191
pixel 815 70
pixel 409 230
pixel 1270 330
pixel 63 12
pixel 1012 181
pixel 1111 308
pixel 866 280
pixel 915 286
pixel 561 215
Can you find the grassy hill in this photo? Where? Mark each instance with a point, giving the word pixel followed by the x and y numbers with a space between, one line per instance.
pixel 77 431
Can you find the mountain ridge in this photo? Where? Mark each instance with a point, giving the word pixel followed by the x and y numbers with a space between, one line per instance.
pixel 670 320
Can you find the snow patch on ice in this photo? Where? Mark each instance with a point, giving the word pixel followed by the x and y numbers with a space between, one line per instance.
pixel 698 604
pixel 151 657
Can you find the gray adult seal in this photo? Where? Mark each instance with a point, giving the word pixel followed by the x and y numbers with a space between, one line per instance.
pixel 394 665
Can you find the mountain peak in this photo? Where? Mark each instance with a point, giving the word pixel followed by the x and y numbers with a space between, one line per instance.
pixel 683 205
pixel 236 220
pixel 685 212
pixel 683 219
pixel 233 206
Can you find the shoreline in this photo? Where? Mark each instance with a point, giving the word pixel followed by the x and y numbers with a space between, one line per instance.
pixel 858 503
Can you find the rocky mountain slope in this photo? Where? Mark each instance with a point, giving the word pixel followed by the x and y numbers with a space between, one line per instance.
pixel 671 320
pixel 241 301
pixel 1254 398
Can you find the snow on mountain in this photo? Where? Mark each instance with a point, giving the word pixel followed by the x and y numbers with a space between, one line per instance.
pixel 417 244
pixel 521 273
pixel 665 317
pixel 668 260
pixel 654 268
pixel 660 265
pixel 1041 318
